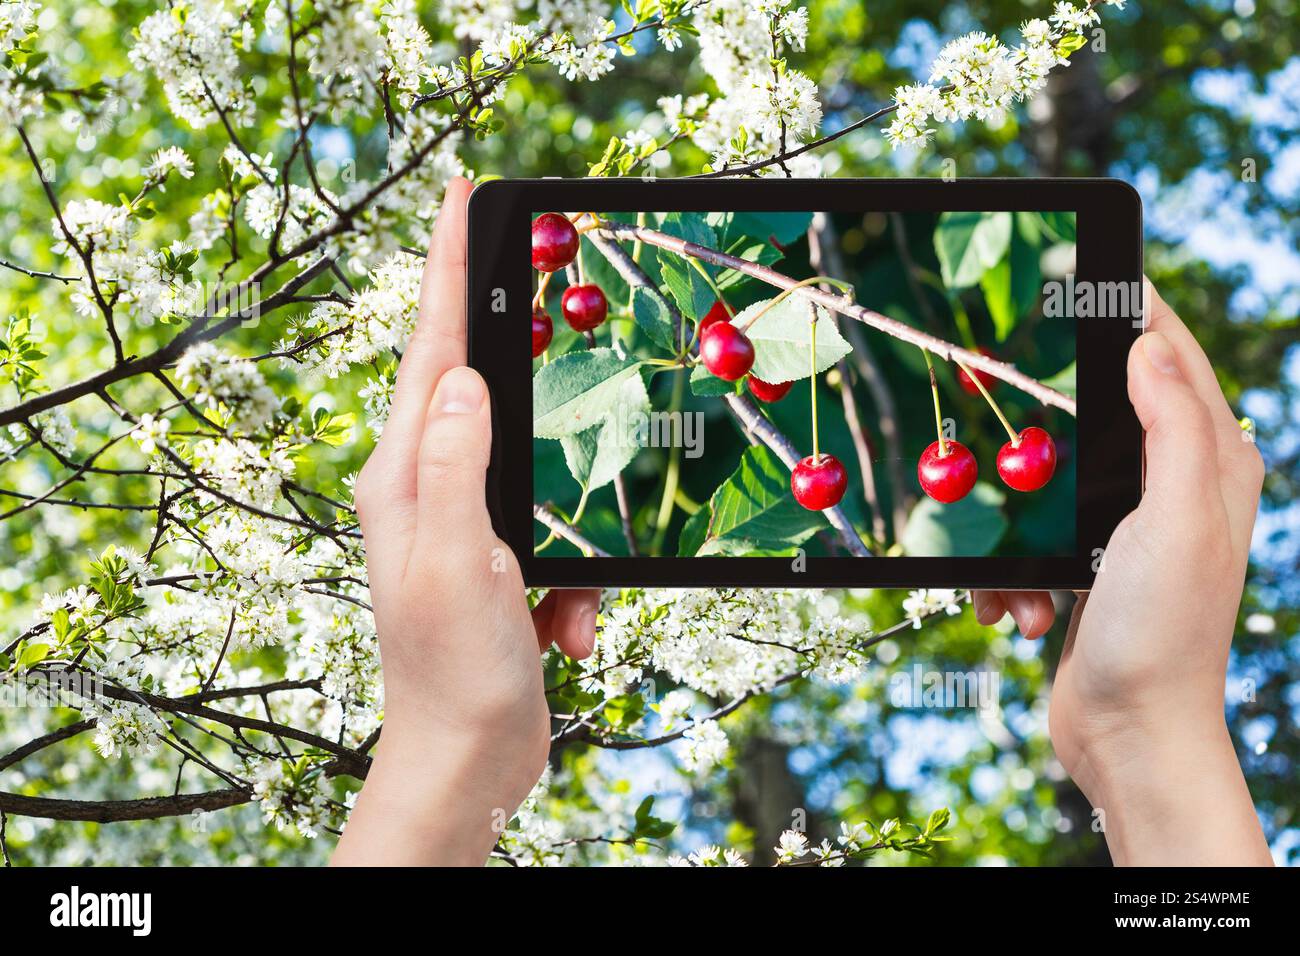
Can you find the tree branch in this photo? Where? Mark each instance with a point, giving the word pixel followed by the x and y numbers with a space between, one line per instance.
pixel 845 306
pixel 566 531
pixel 113 811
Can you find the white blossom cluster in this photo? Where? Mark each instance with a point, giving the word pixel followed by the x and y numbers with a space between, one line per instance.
pixel 193 47
pixel 18 98
pixel 919 605
pixel 377 320
pixel 764 106
pixel 220 381
pixel 977 76
pixel 722 643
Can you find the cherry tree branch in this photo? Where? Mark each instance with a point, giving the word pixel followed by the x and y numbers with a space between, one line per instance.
pixel 846 306
pixel 566 531
pixel 114 811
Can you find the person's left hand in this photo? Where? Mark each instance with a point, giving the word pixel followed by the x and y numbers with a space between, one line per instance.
pixel 466 728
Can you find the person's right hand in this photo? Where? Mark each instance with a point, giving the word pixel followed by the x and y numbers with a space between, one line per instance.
pixel 1137 710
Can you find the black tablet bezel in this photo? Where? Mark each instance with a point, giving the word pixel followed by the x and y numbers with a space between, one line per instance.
pixel 1109 249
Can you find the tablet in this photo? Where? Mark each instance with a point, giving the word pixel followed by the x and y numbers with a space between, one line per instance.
pixel 784 382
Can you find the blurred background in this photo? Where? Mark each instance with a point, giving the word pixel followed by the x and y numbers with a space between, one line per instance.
pixel 1195 103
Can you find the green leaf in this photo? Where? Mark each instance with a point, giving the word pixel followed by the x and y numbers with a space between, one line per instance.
pixel 651 314
pixel 938 820
pixel 707 385
pixel 782 339
pixel 623 712
pixel 694 532
pixel 687 286
pixel 996 286
pixel 1061 225
pixel 647 825
pixel 751 250
pixel 784 227
pixel 971 527
pixel 1026 275
pixel 32 654
pixel 1063 381
pixel 970 243
pixel 577 391
pixel 59 621
pixel 1069 44
pixel 597 455
pixel 753 510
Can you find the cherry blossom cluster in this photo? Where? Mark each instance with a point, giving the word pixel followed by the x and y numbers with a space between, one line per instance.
pixel 976 76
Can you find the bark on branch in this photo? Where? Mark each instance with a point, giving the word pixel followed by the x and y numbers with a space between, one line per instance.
pixel 847 307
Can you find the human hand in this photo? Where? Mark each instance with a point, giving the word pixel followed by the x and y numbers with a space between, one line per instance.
pixel 1136 713
pixel 466 728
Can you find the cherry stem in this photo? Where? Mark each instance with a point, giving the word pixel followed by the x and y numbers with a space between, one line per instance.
pixel 812 351
pixel 938 417
pixel 1014 435
pixel 785 293
pixel 541 288
pixel 713 287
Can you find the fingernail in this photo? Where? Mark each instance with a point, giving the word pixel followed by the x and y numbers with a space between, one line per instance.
pixel 587 627
pixel 459 392
pixel 1160 353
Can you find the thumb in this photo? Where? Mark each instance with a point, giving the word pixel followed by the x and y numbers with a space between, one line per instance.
pixel 453 458
pixel 1181 453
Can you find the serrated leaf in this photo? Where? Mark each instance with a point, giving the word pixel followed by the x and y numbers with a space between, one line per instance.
pixel 782 340
pixel 651 314
pixel 970 243
pixel 971 527
pixel 595 456
pixel 577 391
pixel 753 510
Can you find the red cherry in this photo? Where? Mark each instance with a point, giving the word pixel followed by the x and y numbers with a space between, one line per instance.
pixel 1030 464
pixel 766 391
pixel 542 331
pixel 818 483
pixel 584 307
pixel 947 478
pixel 555 242
pixel 987 380
pixel 726 351
pixel 717 313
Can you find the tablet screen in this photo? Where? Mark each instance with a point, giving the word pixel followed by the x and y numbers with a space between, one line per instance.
pixel 788 384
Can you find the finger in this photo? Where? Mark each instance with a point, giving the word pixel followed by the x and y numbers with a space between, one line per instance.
pixel 543 615
pixel 989 608
pixel 573 624
pixel 438 340
pixel 1191 358
pixel 1182 470
pixel 452 520
pixel 1241 469
pixel 1033 611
